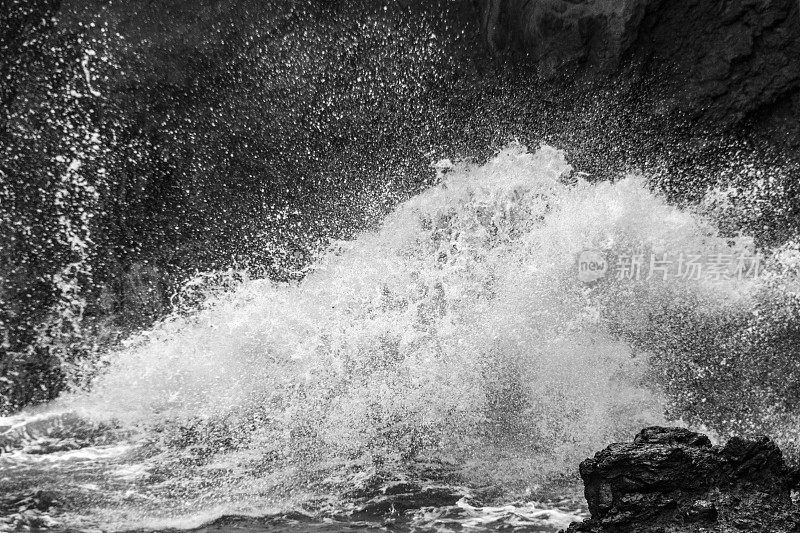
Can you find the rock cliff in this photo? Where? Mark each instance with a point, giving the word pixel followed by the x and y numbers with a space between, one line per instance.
pixel 723 61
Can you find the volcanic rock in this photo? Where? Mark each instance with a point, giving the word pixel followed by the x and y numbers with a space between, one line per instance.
pixel 673 480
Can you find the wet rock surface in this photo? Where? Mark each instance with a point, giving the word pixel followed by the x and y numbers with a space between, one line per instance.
pixel 720 61
pixel 674 480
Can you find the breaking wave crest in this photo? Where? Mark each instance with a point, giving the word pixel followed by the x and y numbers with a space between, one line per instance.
pixel 456 336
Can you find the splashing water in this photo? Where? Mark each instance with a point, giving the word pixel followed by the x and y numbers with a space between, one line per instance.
pixel 455 339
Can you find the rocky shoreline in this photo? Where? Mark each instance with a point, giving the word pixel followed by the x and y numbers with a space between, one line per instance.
pixel 672 480
pixel 667 480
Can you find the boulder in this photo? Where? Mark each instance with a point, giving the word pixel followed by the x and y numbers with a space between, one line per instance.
pixel 673 480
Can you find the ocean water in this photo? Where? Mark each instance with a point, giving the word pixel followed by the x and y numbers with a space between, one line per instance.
pixel 447 371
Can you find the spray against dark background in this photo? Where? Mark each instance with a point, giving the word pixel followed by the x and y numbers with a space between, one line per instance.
pixel 144 142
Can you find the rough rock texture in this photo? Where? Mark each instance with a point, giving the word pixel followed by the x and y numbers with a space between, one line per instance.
pixel 674 480
pixel 718 60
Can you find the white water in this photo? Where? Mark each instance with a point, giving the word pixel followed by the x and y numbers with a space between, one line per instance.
pixel 457 332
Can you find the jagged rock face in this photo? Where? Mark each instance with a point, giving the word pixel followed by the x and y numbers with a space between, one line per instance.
pixel 674 480
pixel 555 32
pixel 721 60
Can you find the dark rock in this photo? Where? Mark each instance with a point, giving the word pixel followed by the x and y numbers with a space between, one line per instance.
pixel 674 480
pixel 671 437
pixel 722 61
